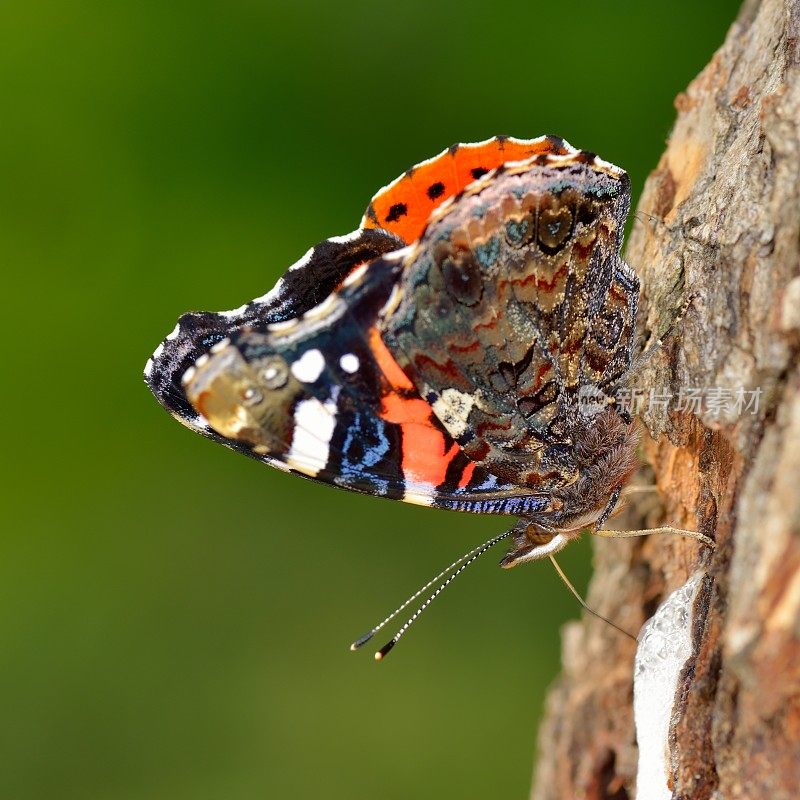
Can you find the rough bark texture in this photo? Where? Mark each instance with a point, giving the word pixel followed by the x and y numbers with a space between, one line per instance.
pixel 721 221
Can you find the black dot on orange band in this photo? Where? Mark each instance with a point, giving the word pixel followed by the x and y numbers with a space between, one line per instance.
pixel 479 172
pixel 435 190
pixel 396 211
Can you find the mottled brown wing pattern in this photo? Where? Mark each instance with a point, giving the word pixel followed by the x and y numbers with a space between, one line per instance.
pixel 515 298
pixel 606 354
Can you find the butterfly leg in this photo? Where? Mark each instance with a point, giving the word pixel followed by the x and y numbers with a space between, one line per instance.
pixel 639 488
pixel 663 529
pixel 612 502
pixel 597 528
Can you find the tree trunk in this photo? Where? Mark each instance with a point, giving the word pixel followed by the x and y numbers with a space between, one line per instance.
pixel 720 221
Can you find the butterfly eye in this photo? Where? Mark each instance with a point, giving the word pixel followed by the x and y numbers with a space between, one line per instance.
pixel 274 372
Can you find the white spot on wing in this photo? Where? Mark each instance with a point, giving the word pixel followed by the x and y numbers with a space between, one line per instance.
pixel 309 366
pixel 489 483
pixel 398 255
pixel 314 423
pixel 148 367
pixel 452 408
pixel 173 334
pixel 281 327
pixel 198 423
pixel 322 316
pixel 328 305
pixel 158 351
pixel 391 304
pixel 349 362
pixel 303 261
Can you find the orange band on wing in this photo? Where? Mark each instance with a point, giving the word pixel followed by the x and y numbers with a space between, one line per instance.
pixel 401 410
pixel 405 205
pixel 385 360
pixel 466 475
pixel 424 456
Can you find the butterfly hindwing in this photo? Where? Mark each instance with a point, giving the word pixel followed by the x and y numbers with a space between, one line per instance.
pixel 514 298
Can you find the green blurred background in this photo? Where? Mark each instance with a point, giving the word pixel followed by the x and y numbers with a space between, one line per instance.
pixel 174 619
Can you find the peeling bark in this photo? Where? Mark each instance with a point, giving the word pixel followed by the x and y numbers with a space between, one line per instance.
pixel 721 220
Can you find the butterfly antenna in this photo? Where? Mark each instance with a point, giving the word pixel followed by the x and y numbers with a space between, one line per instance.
pixel 467 559
pixel 464 561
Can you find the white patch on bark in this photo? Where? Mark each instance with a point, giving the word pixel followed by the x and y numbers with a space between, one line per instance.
pixel 665 645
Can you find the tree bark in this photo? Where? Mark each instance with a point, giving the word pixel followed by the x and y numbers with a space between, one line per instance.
pixel 720 221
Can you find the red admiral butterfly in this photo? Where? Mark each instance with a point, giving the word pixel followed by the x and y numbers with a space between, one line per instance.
pixel 440 353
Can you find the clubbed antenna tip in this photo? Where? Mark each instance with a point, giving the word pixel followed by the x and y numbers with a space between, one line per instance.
pixel 361 641
pixel 385 649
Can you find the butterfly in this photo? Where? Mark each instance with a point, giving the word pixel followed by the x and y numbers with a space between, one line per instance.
pixel 442 353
